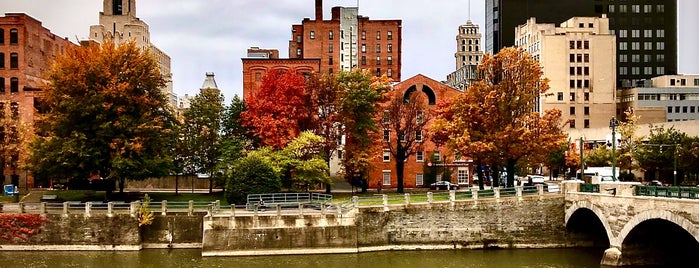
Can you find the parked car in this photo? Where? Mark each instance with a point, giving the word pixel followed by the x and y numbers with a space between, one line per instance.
pixel 444 185
pixel 532 180
pixel 655 183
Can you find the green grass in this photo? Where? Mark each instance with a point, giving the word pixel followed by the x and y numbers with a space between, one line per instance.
pixel 185 197
pixel 77 195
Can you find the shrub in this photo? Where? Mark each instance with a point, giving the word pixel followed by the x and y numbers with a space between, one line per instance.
pixel 251 175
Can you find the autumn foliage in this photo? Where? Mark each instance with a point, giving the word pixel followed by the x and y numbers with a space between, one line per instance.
pixel 495 121
pixel 276 113
pixel 19 227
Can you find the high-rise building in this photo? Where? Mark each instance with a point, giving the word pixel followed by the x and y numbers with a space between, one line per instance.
pixel 646 30
pixel 118 22
pixel 27 50
pixel 349 40
pixel 667 98
pixel 468 55
pixel 577 57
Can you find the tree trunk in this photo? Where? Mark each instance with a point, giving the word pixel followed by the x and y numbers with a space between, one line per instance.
pixel 510 163
pixel 400 168
pixel 481 176
pixel 177 176
pixel 495 171
pixel 121 182
pixel 328 187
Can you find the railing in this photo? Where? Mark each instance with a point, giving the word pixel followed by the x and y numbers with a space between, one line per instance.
pixel 589 188
pixel 111 208
pixel 671 191
pixel 287 199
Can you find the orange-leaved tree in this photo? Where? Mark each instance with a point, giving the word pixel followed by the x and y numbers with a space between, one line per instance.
pixel 277 113
pixel 496 119
pixel 403 122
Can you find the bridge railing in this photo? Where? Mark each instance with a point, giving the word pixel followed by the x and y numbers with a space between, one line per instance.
pixel 668 191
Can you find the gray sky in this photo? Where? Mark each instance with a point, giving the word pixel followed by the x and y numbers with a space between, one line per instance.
pixel 213 35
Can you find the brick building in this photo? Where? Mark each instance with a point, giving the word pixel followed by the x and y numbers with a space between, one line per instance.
pixel 416 166
pixel 27 50
pixel 349 40
pixel 261 61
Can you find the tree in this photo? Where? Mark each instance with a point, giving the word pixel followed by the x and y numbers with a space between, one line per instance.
pixel 202 125
pixel 493 121
pixel 277 113
pixel 251 175
pixel 15 138
pixel 107 116
pixel 625 156
pixel 600 157
pixel 362 95
pixel 324 95
pixel 303 160
pixel 658 156
pixel 405 118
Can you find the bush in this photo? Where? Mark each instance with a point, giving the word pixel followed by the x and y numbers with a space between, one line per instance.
pixel 251 175
pixel 624 176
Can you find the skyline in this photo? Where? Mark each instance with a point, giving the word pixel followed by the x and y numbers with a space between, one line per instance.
pixel 213 36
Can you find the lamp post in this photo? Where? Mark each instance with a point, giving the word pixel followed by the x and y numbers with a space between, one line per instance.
pixel 582 158
pixel 613 123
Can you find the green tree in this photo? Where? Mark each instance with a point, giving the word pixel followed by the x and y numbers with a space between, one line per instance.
pixel 600 157
pixel 363 94
pixel 303 160
pixel 202 125
pixel 107 115
pixel 625 156
pixel 658 156
pixel 253 174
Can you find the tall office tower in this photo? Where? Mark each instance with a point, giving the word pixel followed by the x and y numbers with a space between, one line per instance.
pixel 119 23
pixel 646 30
pixel 577 57
pixel 27 50
pixel 349 40
pixel 468 56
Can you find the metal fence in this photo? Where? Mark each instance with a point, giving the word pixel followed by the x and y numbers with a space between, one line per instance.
pixel 668 191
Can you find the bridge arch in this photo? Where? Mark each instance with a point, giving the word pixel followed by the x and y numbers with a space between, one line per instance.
pixel 682 222
pixel 595 210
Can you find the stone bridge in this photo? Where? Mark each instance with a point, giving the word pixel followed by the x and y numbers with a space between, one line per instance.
pixel 638 230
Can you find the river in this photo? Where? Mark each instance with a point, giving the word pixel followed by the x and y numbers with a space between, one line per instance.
pixel 163 258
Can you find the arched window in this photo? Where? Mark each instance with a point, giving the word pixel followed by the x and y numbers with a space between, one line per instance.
pixel 14 61
pixel 14 38
pixel 14 85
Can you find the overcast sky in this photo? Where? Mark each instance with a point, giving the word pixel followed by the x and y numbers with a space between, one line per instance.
pixel 213 35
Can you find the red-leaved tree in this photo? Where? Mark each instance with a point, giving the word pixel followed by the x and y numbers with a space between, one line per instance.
pixel 19 227
pixel 276 113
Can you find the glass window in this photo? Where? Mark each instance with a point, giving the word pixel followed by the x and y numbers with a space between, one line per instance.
pixel 2 60
pixel 389 35
pixel 378 60
pixel 386 177
pixel 386 156
pixel 647 33
pixel 660 45
pixel 390 47
pixel 587 44
pixel 363 35
pixel 622 33
pixel 2 36
pixel 462 176
pixel 330 35
pixel 14 85
pixel 378 48
pixel 418 135
pixel 363 47
pixel 419 156
pixel 572 110
pixel 14 61
pixel 586 110
pixel 389 73
pixel 623 58
pixel 298 51
pixel 330 48
pixel 660 33
pixel 660 70
pixel 386 135
pixel 363 60
pixel 378 35
pixel 386 117
pixel 635 45
pixel 2 90
pixel 623 46
pixel 436 156
pixel 389 60
pixel 635 33
pixel 586 123
pixel 14 36
pixel 572 123
pixel 313 35
pixel 560 96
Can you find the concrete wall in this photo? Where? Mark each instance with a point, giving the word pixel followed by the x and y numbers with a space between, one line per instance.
pixel 532 222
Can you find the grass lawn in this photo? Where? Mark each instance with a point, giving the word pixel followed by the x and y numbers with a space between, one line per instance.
pixel 185 197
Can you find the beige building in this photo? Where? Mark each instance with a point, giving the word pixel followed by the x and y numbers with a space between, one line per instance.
pixel 579 59
pixel 118 22
pixel 668 98
pixel 468 56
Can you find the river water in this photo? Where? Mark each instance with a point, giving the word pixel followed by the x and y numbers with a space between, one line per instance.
pixel 163 258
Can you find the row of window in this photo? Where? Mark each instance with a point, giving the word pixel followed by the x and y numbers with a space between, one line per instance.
pixel 389 72
pixel 636 8
pixel 682 82
pixel 580 57
pixel 461 177
pixel 684 109
pixel 14 36
pixel 586 96
pixel 637 45
pixel 586 123
pixel 470 48
pixel 579 44
pixel 470 42
pixel 579 83
pixel 14 85
pixel 389 60
pixel 637 58
pixel 419 156
pixel 331 35
pixel 646 70
pixel 387 136
pixel 14 60
pixel 580 70
pixel 660 33
pixel 586 110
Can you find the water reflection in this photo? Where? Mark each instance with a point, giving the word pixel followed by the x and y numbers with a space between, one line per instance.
pixel 569 258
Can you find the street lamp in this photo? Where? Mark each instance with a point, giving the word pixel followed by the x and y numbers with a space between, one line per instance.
pixel 613 123
pixel 582 158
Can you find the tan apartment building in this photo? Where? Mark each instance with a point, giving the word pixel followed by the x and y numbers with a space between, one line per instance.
pixel 27 50
pixel 579 58
pixel 118 22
